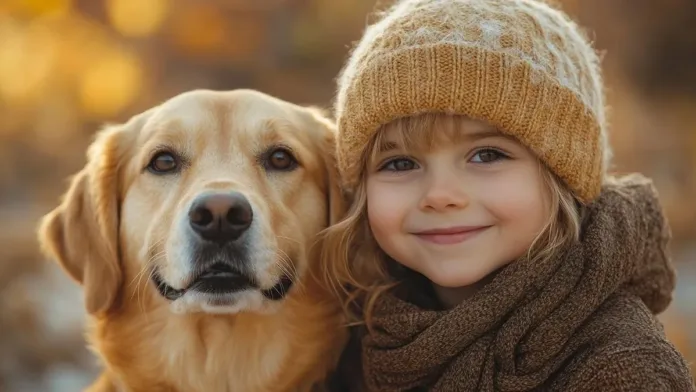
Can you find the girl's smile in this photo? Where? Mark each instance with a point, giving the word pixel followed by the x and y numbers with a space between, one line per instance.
pixel 450 235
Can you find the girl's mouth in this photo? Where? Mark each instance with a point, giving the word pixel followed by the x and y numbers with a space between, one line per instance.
pixel 450 235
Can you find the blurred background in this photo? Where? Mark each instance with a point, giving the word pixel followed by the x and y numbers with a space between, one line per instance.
pixel 66 67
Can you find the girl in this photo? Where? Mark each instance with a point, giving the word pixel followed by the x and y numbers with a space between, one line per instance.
pixel 485 248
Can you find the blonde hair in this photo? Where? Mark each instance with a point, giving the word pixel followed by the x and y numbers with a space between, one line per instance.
pixel 356 267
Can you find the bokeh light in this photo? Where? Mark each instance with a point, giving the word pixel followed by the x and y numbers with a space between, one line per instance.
pixel 110 83
pixel 27 58
pixel 136 18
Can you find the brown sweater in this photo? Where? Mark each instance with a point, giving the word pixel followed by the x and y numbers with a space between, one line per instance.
pixel 582 322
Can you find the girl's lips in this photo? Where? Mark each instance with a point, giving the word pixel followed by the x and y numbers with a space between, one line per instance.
pixel 450 235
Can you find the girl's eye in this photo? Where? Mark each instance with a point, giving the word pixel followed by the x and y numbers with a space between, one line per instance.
pixel 488 155
pixel 399 164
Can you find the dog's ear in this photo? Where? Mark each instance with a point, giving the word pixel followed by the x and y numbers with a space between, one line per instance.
pixel 81 233
pixel 336 199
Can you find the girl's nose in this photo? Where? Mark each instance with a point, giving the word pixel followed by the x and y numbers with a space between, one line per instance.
pixel 443 192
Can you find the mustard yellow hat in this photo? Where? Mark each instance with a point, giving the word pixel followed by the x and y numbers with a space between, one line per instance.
pixel 520 65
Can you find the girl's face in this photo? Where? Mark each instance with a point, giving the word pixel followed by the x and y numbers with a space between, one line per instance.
pixel 460 209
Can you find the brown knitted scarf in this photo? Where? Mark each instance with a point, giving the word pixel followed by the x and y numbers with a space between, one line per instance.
pixel 522 327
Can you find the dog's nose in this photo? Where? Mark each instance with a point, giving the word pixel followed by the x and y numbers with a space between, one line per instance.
pixel 220 217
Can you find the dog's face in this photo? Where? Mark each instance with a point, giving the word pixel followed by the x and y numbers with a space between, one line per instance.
pixel 215 198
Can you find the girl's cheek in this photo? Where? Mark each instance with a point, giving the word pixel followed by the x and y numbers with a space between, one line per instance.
pixel 382 200
pixel 514 194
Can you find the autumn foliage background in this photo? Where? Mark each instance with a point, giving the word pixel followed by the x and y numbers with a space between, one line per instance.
pixel 67 67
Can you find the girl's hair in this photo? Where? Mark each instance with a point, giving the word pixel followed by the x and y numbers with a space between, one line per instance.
pixel 355 267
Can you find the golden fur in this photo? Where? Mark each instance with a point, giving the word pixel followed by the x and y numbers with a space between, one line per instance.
pixel 117 221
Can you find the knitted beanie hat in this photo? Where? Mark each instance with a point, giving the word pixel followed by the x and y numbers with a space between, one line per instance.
pixel 519 65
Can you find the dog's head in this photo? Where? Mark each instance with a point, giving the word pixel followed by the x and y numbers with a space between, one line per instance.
pixel 209 201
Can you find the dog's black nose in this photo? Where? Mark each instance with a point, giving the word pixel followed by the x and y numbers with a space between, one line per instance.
pixel 220 217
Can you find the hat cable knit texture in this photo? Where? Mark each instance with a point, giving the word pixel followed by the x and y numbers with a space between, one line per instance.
pixel 520 65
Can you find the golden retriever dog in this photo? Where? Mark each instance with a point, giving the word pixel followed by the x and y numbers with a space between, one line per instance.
pixel 193 231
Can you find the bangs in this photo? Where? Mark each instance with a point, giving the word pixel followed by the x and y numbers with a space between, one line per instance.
pixel 418 133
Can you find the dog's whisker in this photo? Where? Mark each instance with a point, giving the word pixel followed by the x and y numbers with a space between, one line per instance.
pixel 286 264
pixel 155 256
pixel 140 300
pixel 285 270
pixel 150 272
pixel 289 268
pixel 145 267
pixel 152 248
pixel 136 278
pixel 139 277
pixel 139 287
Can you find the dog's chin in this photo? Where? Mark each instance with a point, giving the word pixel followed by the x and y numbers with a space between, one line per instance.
pixel 247 301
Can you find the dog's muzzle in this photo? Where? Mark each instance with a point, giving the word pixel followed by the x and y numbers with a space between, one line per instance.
pixel 219 222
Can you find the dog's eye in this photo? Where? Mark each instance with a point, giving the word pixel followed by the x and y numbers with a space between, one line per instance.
pixel 162 163
pixel 280 159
